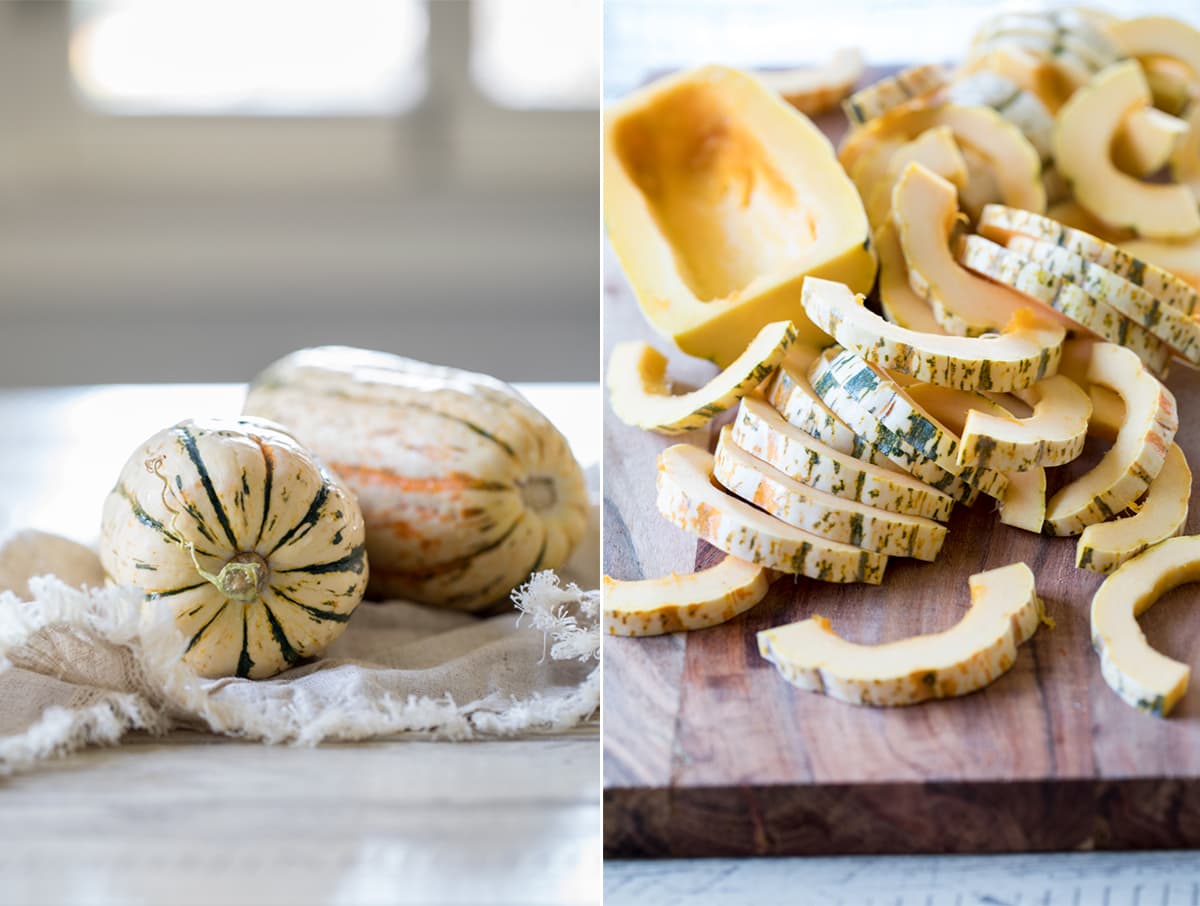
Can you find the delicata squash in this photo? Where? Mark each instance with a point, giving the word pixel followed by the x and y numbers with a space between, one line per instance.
pixel 254 546
pixel 719 198
pixel 465 487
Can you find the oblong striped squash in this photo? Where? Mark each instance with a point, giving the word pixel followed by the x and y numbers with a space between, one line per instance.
pixel 465 487
pixel 255 547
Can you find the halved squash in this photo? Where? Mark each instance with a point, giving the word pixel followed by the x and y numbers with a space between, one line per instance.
pixel 1146 139
pixel 640 395
pixel 900 304
pixel 1083 136
pixel 1142 677
pixel 1169 324
pixel 999 223
pixel 1162 514
pixel 1136 457
pixel 762 432
pixel 719 199
pixel 815 89
pixel 824 514
pixel 1024 354
pixel 677 603
pixel 1052 436
pixel 1023 505
pixel 1005 611
pixel 925 210
pixel 936 150
pixel 893 91
pixel 688 499
pixel 1033 280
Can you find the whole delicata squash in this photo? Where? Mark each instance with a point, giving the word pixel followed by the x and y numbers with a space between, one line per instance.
pixel 465 487
pixel 255 547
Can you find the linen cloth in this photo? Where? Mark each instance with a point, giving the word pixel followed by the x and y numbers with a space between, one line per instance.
pixel 83 664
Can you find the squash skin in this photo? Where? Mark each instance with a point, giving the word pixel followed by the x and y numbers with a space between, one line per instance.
pixel 465 487
pixel 239 490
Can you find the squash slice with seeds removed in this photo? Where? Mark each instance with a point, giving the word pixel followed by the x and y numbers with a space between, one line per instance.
pixel 1108 409
pixel 821 513
pixel 1005 611
pixel 1136 457
pixel 999 223
pixel 763 433
pixel 677 603
pixel 1023 505
pixel 244 536
pixel 1052 436
pixel 900 304
pixel 814 90
pixel 934 149
pixel 1161 515
pixel 925 208
pixel 688 499
pixel 890 92
pixel 1142 677
pixel 1025 353
pixel 1083 135
pixel 1023 108
pixel 1032 279
pixel 640 397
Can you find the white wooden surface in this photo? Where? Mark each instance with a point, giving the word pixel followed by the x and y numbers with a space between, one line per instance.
pixel 192 819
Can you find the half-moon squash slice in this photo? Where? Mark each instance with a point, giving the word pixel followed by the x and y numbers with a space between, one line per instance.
pixel 1160 515
pixel 1052 436
pixel 821 513
pixel 640 396
pixel 688 499
pixel 1005 611
pixel 1146 140
pixel 1023 354
pixel 676 603
pixel 1023 505
pixel 762 432
pixel 793 398
pixel 893 91
pixel 1137 456
pixel 934 149
pixel 814 89
pixel 1083 136
pixel 1142 677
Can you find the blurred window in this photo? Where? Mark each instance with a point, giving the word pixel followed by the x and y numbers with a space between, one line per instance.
pixel 537 54
pixel 250 58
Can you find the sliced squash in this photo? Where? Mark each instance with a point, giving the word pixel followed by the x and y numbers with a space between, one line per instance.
pixel 1108 409
pixel 936 150
pixel 1146 140
pixel 1142 677
pixel 1083 136
pixel 1005 611
pixel 640 395
pixel 1052 436
pixel 890 92
pixel 677 603
pixel 1184 160
pixel 1025 353
pixel 1023 505
pixel 981 189
pixel 821 513
pixel 719 199
pixel 1000 223
pixel 926 214
pixel 1136 457
pixel 1022 108
pixel 1162 514
pixel 688 499
pixel 900 304
pixel 1169 324
pixel 1024 69
pixel 762 432
pixel 1033 280
pixel 792 396
pixel 1180 259
pixel 1158 36
pixel 815 89
pixel 1170 83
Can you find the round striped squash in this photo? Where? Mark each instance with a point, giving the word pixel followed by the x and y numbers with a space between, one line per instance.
pixel 465 487
pixel 257 549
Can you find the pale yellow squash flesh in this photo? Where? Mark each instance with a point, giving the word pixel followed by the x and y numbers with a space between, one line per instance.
pixel 1142 677
pixel 1137 456
pixel 640 396
pixel 926 212
pixel 824 514
pixel 1146 140
pixel 1161 515
pixel 1052 436
pixel 719 198
pixel 761 431
pixel 1025 353
pixel 933 149
pixel 1083 135
pixel 900 304
pixel 1023 505
pixel 689 500
pixel 678 603
pixel 1005 611
pixel 815 89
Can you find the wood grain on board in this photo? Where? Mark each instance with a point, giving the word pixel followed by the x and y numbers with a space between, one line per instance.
pixel 708 751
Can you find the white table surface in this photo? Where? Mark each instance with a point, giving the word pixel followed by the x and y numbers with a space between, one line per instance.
pixel 195 819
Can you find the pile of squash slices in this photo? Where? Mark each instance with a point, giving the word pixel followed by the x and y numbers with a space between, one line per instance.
pixel 999 262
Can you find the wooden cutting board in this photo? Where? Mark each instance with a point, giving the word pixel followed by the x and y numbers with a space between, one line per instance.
pixel 708 751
